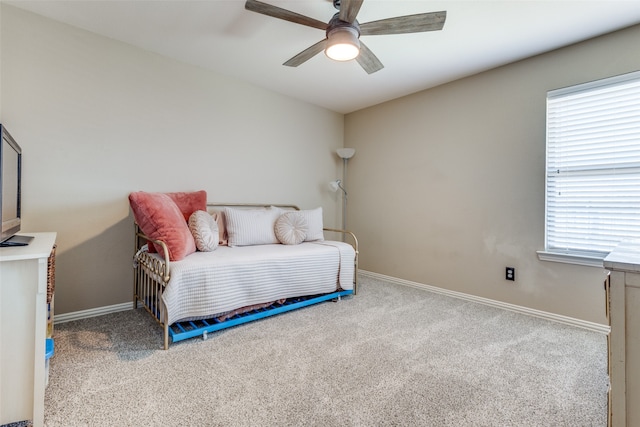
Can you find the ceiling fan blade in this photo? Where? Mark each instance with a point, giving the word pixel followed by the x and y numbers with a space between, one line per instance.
pixel 418 23
pixel 349 10
pixel 280 13
pixel 368 60
pixel 306 54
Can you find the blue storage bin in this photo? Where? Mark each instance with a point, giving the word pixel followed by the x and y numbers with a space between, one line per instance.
pixel 48 354
pixel 48 350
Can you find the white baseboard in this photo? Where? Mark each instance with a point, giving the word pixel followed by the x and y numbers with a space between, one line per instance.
pixel 92 312
pixel 596 327
pixel 592 326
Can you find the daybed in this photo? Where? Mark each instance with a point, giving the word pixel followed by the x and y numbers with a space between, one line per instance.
pixel 201 267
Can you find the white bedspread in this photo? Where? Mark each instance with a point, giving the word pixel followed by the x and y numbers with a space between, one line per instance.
pixel 208 283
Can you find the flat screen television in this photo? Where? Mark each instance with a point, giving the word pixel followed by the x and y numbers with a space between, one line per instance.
pixel 10 191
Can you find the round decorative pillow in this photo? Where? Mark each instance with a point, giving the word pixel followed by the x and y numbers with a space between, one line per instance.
pixel 291 228
pixel 204 230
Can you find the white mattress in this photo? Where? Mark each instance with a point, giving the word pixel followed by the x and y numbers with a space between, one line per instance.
pixel 208 283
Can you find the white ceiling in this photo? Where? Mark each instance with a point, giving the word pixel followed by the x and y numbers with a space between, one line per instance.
pixel 222 36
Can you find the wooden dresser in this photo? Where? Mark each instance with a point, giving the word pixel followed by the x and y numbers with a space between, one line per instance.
pixel 23 329
pixel 623 286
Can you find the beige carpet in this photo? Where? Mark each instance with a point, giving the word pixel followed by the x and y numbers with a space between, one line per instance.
pixel 391 356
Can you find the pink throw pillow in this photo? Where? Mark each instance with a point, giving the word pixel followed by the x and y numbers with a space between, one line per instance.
pixel 218 216
pixel 189 202
pixel 159 217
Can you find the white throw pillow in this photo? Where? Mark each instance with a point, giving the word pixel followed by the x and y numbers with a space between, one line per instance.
pixel 291 228
pixel 204 230
pixel 314 223
pixel 246 227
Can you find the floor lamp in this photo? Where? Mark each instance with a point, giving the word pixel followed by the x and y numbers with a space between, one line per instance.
pixel 345 154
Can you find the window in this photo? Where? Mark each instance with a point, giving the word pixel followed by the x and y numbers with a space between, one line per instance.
pixel 593 167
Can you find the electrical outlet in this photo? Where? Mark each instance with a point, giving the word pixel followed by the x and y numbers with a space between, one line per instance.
pixel 510 274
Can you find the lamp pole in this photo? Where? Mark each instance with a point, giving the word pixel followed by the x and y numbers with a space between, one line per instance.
pixel 345 154
pixel 344 193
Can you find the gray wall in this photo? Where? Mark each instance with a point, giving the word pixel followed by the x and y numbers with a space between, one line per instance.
pixel 447 186
pixel 98 119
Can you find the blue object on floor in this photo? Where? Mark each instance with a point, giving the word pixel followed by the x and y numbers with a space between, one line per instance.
pixel 48 350
pixel 189 329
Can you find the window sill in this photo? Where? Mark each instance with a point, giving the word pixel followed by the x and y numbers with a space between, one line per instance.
pixel 589 261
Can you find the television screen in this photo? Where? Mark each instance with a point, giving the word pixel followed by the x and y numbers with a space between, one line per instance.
pixel 10 176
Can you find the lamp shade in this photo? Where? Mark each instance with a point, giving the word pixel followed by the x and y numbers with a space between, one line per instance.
pixel 342 44
pixel 346 153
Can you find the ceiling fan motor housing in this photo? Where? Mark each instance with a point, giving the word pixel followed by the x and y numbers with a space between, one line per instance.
pixel 343 39
pixel 337 24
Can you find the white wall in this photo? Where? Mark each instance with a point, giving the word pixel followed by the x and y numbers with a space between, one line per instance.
pixel 98 119
pixel 447 187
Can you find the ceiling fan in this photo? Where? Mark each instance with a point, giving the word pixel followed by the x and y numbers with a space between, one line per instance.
pixel 343 31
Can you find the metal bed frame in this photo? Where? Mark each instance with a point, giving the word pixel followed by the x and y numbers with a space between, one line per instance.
pixel 152 274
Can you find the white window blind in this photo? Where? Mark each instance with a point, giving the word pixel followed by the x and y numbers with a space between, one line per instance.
pixel 593 166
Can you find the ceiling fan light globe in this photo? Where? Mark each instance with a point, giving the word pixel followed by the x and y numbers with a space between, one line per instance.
pixel 342 44
pixel 342 52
